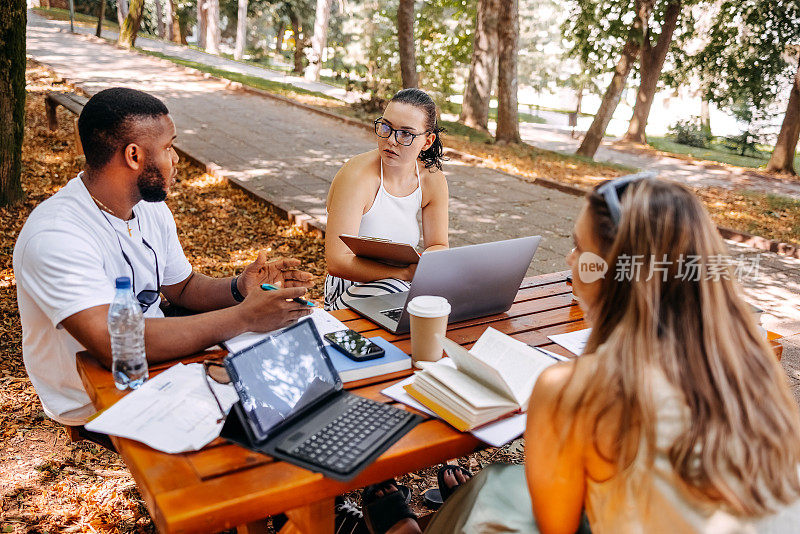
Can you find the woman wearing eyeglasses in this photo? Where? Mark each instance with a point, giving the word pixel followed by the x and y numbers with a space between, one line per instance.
pixel 380 194
pixel 677 418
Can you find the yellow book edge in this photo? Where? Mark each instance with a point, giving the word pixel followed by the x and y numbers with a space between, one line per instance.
pixel 438 409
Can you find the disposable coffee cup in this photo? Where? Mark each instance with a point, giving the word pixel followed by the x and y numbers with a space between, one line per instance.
pixel 428 316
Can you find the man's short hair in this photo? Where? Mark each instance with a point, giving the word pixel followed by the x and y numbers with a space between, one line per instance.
pixel 107 121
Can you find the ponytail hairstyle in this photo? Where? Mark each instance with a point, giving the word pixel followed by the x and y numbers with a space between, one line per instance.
pixel 434 155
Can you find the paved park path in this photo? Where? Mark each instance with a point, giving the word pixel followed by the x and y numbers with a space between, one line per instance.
pixel 288 156
pixel 193 54
pixel 695 173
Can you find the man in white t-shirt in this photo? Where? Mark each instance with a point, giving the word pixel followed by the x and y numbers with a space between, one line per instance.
pixel 111 221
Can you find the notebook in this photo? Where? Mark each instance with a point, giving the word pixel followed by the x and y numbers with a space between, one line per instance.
pixel 394 361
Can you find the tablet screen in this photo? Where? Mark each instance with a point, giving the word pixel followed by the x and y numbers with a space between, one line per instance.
pixel 277 378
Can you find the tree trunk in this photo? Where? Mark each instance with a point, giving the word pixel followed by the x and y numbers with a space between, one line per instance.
pixel 650 64
pixel 241 30
pixel 160 19
pixel 705 116
pixel 280 33
pixel 212 27
pixel 298 42
pixel 202 18
pixel 130 26
pixel 507 105
pixel 405 41
pixel 319 40
pixel 122 11
pixel 12 98
pixel 782 159
pixel 594 135
pixel 172 22
pixel 100 16
pixel 591 141
pixel 478 89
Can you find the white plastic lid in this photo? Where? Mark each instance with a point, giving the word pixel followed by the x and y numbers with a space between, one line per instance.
pixel 429 306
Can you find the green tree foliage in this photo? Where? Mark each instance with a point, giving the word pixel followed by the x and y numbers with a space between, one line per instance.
pixel 595 31
pixel 746 56
pixel 443 34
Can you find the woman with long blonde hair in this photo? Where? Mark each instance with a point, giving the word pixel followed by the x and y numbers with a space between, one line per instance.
pixel 677 418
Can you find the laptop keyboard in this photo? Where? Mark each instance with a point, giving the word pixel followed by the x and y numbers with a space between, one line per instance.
pixel 350 438
pixel 394 314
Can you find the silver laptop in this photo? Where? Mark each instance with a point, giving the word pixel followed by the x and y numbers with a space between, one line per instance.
pixel 477 280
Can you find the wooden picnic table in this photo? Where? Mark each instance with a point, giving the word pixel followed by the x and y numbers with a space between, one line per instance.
pixel 224 485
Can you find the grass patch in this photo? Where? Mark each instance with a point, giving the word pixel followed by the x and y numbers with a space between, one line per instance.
pixel 455 108
pixel 82 19
pixel 471 134
pixel 283 89
pixel 716 152
pixel 767 215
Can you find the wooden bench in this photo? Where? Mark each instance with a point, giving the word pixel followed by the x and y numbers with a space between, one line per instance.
pixel 71 101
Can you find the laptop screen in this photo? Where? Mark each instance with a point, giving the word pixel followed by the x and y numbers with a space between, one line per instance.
pixel 280 376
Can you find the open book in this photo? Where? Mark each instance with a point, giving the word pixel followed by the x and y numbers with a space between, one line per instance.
pixel 492 380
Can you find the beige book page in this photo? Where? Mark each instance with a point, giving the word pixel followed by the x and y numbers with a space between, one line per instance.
pixel 517 364
pixel 467 363
pixel 474 393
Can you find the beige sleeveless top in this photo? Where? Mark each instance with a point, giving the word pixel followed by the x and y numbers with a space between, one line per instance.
pixel 666 508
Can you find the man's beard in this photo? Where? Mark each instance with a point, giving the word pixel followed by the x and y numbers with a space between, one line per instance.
pixel 152 184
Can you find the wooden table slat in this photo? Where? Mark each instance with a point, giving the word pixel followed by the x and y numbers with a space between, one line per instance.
pixel 244 496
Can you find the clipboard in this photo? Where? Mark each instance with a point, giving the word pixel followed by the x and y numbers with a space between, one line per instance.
pixel 382 250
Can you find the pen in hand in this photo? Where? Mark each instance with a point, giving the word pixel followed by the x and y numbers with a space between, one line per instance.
pixel 270 287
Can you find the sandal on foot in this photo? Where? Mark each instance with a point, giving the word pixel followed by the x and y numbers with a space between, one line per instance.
pixel 349 519
pixel 382 513
pixel 444 489
pixel 432 498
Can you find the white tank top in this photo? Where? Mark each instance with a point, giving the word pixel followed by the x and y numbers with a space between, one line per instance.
pixel 666 508
pixel 392 217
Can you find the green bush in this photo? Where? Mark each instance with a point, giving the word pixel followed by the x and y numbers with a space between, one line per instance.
pixel 689 132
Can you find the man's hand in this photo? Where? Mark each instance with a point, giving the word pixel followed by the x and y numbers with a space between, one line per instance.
pixel 281 272
pixel 264 311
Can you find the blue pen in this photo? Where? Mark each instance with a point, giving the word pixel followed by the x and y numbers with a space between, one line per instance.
pixel 270 287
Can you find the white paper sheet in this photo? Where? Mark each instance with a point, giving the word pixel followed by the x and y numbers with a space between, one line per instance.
pixel 495 434
pixel 172 412
pixel 324 321
pixel 574 342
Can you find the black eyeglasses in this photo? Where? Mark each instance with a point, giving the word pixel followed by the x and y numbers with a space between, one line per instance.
pixel 403 137
pixel 612 190
pixel 146 297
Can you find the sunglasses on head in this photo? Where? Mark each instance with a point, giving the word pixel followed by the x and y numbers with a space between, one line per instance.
pixel 612 190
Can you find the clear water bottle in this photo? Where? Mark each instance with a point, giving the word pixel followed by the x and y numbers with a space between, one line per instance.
pixel 126 327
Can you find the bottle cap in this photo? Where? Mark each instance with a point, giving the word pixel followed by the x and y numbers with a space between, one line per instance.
pixel 123 282
pixel 429 306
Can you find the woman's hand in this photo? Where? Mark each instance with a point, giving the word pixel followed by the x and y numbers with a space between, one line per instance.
pixel 408 272
pixel 281 272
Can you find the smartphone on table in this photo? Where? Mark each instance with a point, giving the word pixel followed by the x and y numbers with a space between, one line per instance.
pixel 354 345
